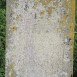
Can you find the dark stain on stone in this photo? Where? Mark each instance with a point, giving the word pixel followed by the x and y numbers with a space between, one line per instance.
pixel 35 16
pixel 68 40
pixel 71 75
pixel 47 31
pixel 14 28
pixel 26 6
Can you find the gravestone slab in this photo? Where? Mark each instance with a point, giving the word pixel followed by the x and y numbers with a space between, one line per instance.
pixel 39 38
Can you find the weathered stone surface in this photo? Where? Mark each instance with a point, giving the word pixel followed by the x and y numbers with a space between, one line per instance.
pixel 40 37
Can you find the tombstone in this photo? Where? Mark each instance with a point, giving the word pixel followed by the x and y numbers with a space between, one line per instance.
pixel 39 38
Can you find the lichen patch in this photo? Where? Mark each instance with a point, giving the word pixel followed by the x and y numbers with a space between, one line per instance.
pixel 49 10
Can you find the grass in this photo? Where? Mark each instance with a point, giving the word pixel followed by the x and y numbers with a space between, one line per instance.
pixel 2 37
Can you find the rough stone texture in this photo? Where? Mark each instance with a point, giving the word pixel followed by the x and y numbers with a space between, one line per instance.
pixel 39 38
